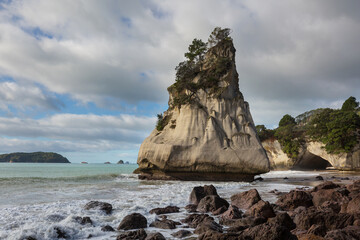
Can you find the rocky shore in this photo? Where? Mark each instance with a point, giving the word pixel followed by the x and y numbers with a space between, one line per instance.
pixel 330 210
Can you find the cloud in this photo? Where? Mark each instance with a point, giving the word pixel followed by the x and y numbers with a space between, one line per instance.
pixel 292 56
pixel 73 132
pixel 26 97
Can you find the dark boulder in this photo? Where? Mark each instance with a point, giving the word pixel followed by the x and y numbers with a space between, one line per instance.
pixel 207 226
pixel 132 235
pixel 212 235
pixel 330 206
pixel 294 199
pixel 133 221
pixel 194 220
pixel 165 210
pixel 320 178
pixel 283 219
pixel 305 219
pixel 164 224
pixel 261 209
pixel 325 185
pixel 106 207
pixel 211 203
pixel 219 210
pixel 269 232
pixel 200 192
pixel 191 208
pixel 353 206
pixel 245 200
pixel 155 236
pixel 354 187
pixel 181 234
pixel 317 229
pixel 233 212
pixel 347 233
pixel 323 195
pixel 107 228
pixel 244 222
pixel 83 220
pixel 60 233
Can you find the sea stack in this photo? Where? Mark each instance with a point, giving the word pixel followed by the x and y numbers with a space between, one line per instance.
pixel 207 133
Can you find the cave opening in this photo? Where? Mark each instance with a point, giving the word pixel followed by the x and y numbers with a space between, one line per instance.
pixel 310 161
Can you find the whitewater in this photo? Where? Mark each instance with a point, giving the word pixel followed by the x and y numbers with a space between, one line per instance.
pixel 37 198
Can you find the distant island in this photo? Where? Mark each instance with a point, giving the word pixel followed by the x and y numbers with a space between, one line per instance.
pixel 35 157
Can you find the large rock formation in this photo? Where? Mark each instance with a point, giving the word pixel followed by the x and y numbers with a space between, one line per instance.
pixel 312 155
pixel 208 132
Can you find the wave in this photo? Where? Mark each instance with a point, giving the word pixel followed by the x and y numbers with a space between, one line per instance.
pixel 82 178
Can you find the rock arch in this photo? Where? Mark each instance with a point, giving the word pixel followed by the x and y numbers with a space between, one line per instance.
pixel 311 161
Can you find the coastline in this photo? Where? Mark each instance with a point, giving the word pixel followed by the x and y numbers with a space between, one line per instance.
pixel 127 194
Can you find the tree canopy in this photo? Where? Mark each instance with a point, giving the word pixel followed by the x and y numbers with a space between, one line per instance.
pixel 350 104
pixel 287 120
pixel 219 34
pixel 197 50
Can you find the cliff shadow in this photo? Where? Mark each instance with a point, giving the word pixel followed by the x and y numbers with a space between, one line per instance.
pixel 310 161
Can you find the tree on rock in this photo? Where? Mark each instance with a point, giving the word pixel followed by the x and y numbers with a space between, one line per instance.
pixel 287 120
pixel 218 35
pixel 350 104
pixel 197 50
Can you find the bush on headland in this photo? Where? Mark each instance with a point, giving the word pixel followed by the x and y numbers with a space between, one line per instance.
pixel 337 129
pixel 35 157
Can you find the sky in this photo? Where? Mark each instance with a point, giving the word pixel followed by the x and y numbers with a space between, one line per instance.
pixel 87 78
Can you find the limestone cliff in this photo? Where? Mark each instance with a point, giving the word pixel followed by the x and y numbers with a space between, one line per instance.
pixel 208 132
pixel 312 155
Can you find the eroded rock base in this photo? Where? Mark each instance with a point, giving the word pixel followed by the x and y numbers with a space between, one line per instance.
pixel 194 176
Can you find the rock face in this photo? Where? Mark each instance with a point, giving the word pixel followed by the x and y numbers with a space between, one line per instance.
pixel 312 155
pixel 211 135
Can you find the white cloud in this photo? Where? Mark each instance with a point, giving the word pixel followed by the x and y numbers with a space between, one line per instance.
pixel 26 97
pixel 292 56
pixel 71 132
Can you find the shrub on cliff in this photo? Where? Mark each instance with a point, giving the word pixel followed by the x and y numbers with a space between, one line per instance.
pixel 337 129
pixel 161 122
pixel 264 133
pixel 350 104
pixel 184 89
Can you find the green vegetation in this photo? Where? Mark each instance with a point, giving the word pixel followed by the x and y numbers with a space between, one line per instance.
pixel 162 121
pixel 35 157
pixel 184 89
pixel 218 35
pixel 264 133
pixel 338 129
pixel 197 50
pixel 350 104
pixel 288 136
pixel 287 120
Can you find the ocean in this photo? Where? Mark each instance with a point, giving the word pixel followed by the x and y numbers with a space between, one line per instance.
pixel 37 198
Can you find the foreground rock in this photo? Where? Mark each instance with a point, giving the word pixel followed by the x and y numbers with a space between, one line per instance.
pixel 133 221
pixel 164 224
pixel 208 132
pixel 200 192
pixel 246 199
pixel 165 210
pixel 103 206
pixel 138 234
pixel 211 204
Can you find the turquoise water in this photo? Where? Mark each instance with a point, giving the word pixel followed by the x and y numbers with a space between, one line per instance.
pixel 61 170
